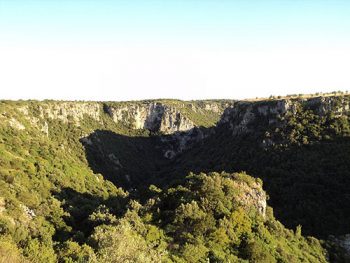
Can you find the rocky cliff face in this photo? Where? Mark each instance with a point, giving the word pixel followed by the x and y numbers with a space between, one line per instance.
pixel 242 114
pixel 65 111
pixel 170 117
pixel 273 115
pixel 154 116
pixel 181 120
pixel 251 195
pixel 166 117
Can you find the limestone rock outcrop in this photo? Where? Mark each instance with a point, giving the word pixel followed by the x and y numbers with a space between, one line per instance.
pixel 156 117
pixel 244 116
pixel 166 117
pixel 251 195
pixel 65 111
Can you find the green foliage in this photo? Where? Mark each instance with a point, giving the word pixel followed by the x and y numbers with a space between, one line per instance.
pixel 70 252
pixel 55 208
pixel 305 166
pixel 122 243
pixel 35 171
pixel 206 219
pixel 9 252
pixel 37 251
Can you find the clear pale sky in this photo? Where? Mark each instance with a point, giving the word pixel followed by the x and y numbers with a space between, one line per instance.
pixel 184 49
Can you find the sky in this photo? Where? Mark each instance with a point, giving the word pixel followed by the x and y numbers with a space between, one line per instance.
pixel 183 49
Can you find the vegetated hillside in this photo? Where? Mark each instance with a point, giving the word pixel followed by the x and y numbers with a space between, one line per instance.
pixel 107 182
pixel 301 150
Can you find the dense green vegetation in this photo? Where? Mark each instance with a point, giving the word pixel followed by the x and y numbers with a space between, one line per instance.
pixel 61 201
pixel 305 171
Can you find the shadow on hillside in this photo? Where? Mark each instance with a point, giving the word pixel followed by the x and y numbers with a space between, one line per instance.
pixel 125 160
pixel 133 162
pixel 307 185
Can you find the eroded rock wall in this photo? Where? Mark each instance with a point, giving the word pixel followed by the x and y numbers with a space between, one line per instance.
pixel 156 117
pixel 244 116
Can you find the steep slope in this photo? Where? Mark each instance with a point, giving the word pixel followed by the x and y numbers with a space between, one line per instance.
pixel 48 189
pixel 58 160
pixel 300 148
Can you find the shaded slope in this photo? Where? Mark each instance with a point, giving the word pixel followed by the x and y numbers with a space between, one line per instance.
pixel 49 193
pixel 127 161
pixel 300 148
